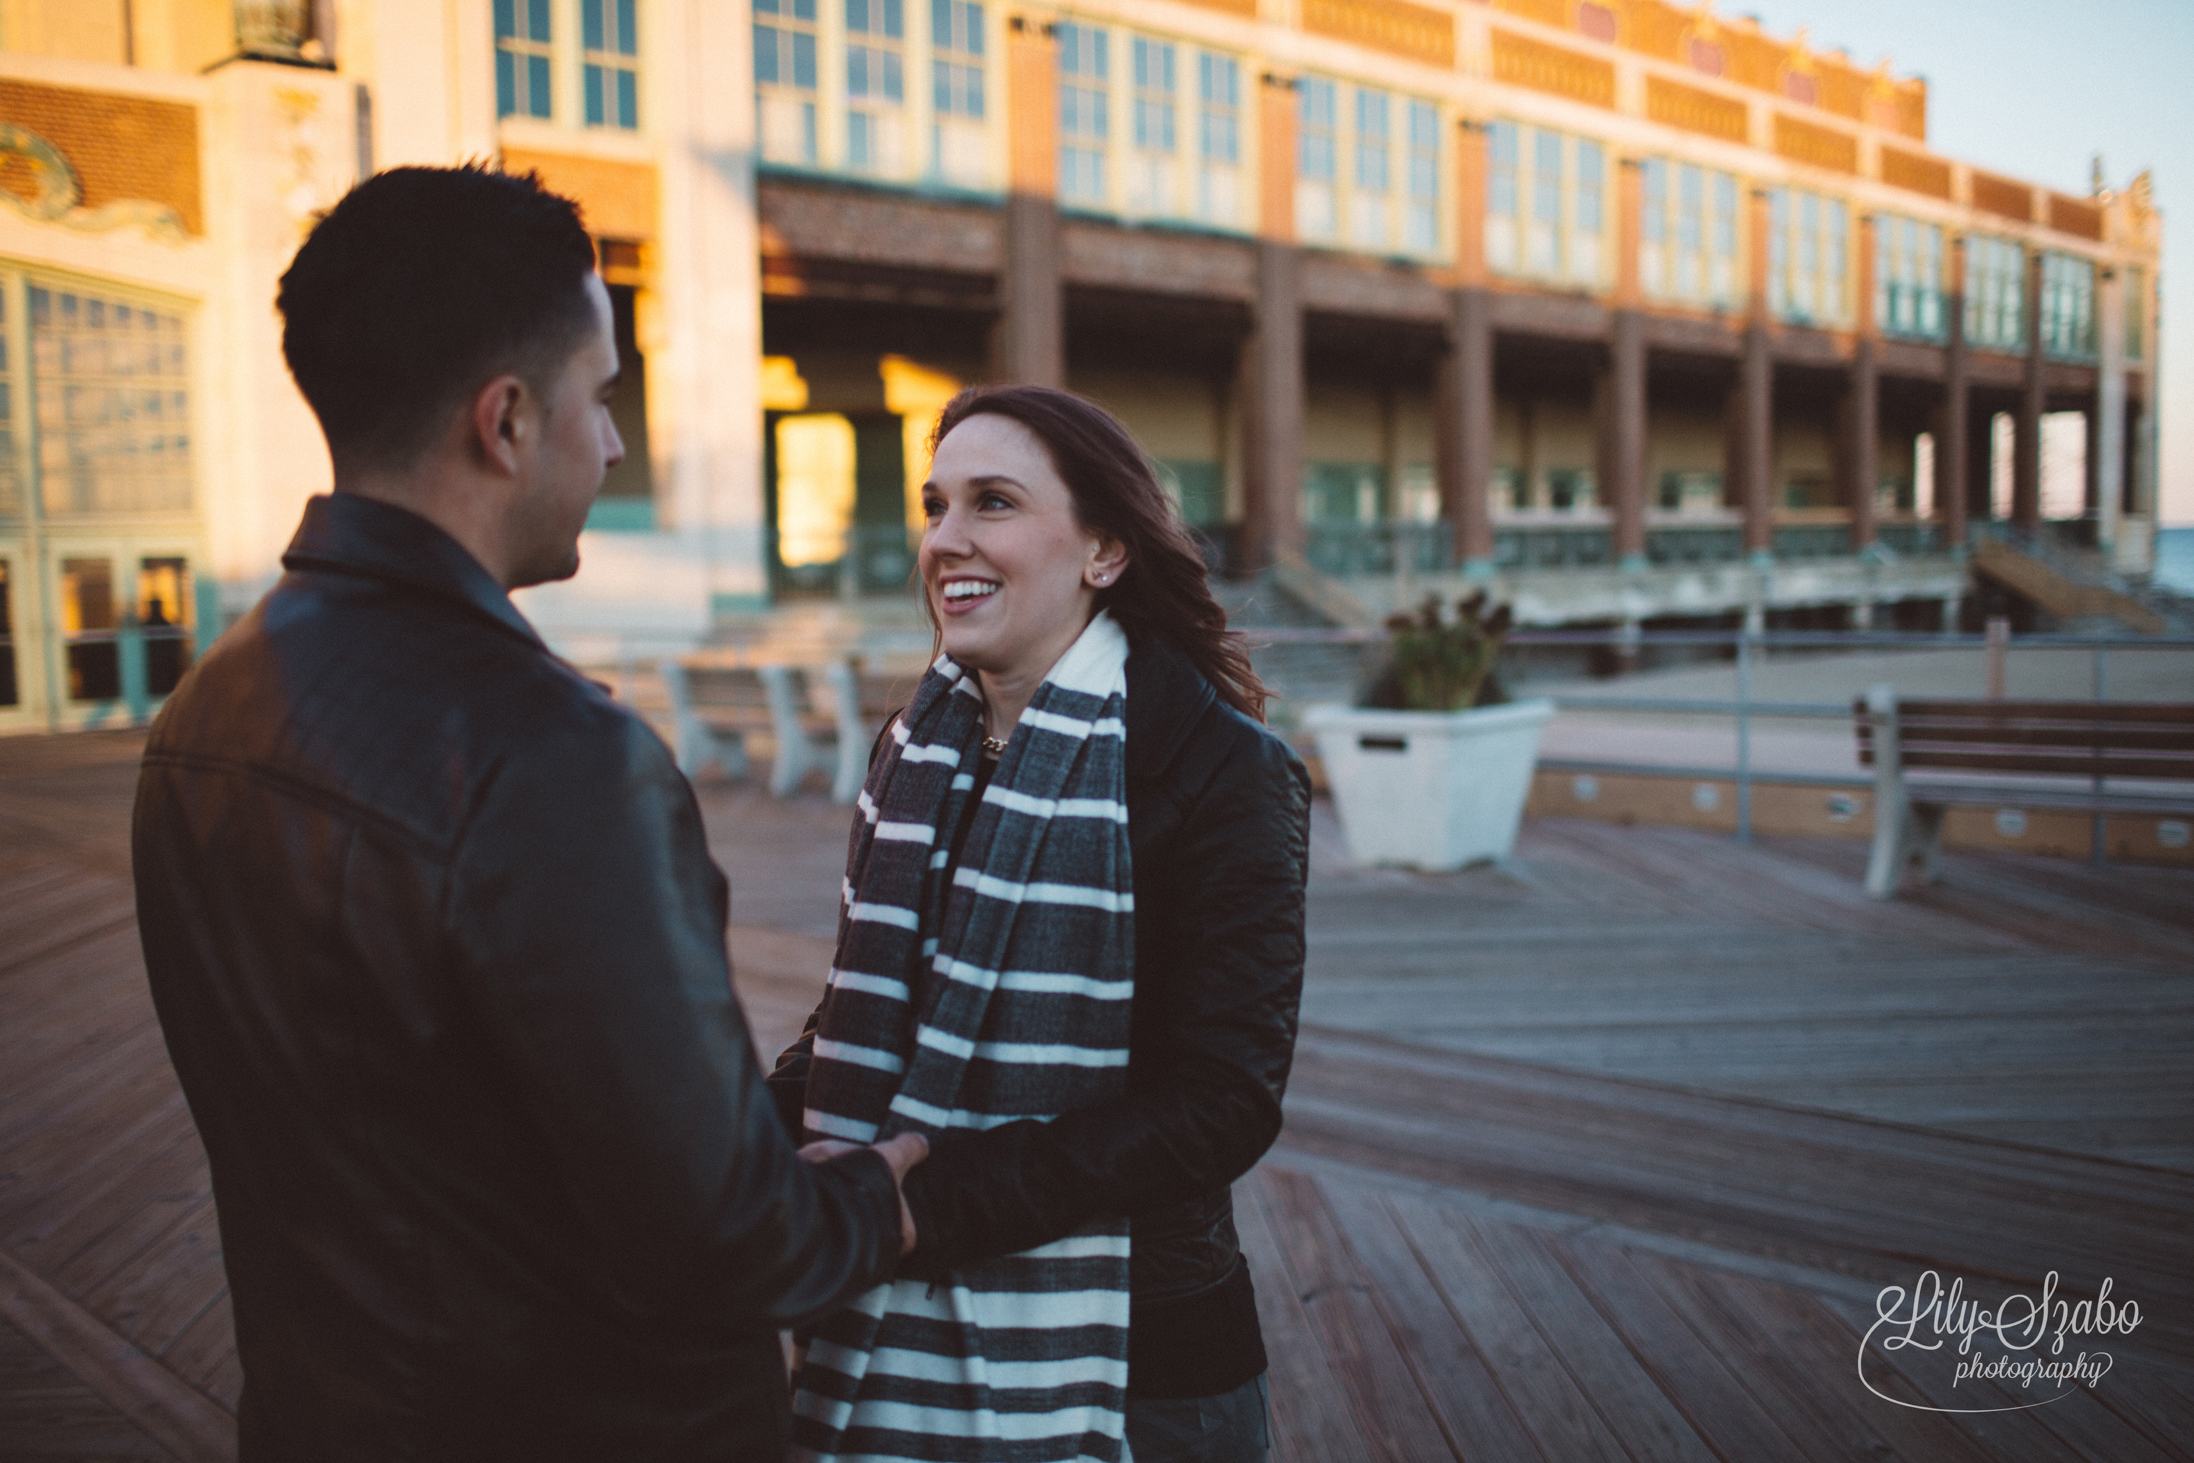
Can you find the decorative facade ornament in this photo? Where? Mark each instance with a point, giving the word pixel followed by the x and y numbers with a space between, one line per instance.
pixel 59 199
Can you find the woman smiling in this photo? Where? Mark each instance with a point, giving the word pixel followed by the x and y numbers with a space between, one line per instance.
pixel 1070 955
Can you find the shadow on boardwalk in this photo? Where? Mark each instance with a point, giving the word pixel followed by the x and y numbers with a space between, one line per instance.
pixel 1603 1155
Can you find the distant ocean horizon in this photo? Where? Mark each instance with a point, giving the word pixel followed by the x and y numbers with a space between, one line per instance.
pixel 2175 558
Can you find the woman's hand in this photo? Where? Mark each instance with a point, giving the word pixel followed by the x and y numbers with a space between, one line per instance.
pixel 902 1153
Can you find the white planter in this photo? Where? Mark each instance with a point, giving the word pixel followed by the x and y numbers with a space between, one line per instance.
pixel 1431 790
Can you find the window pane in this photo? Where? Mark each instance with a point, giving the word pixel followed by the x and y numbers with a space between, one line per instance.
pixel 537 85
pixel 1546 186
pixel 110 392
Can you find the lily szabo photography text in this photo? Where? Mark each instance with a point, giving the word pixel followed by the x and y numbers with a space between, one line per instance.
pixel 1353 733
pixel 2029 1334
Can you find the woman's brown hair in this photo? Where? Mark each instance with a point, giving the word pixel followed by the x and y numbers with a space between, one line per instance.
pixel 1162 594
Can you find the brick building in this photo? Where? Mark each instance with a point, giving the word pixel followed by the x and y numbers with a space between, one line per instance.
pixel 1631 310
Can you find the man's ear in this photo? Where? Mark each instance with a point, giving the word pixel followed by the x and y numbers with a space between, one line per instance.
pixel 500 422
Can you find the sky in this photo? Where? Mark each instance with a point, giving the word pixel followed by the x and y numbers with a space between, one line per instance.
pixel 2035 89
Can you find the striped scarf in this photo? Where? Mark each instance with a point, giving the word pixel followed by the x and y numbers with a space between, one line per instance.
pixel 1000 996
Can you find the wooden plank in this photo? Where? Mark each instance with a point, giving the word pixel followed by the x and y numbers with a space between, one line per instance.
pixel 2001 1416
pixel 46 1413
pixel 1650 1426
pixel 1558 1415
pixel 2152 1400
pixel 1310 1413
pixel 1828 1192
pixel 177 1416
pixel 204 1352
pixel 1702 1378
pixel 175 1278
pixel 1456 1378
pixel 2133 712
pixel 1392 1418
pixel 45 1235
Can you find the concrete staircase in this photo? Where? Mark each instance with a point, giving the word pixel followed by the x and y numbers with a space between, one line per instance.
pixel 2075 584
pixel 1299 674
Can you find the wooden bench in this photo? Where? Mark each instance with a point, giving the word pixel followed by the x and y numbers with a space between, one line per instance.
pixel 2027 741
pixel 820 718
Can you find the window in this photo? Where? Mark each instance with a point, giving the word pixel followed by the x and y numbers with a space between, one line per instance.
pixel 1995 293
pixel 785 77
pixel 1317 159
pixel 1388 195
pixel 1687 234
pixel 522 58
pixel 876 87
pixel 609 77
pixel 1083 120
pixel 1370 212
pixel 1153 172
pixel 2068 306
pixel 1543 233
pixel 1218 139
pixel 111 404
pixel 1421 227
pixel 1908 278
pixel 2136 311
pixel 958 140
pixel 11 486
pixel 1177 151
pixel 1503 189
pixel 1809 239
pixel 1546 205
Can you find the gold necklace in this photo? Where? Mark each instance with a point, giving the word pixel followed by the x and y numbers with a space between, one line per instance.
pixel 996 746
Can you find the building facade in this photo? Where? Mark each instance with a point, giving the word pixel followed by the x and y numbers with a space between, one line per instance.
pixel 1624 308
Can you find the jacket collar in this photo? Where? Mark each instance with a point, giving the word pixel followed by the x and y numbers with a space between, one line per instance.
pixel 343 533
pixel 1166 696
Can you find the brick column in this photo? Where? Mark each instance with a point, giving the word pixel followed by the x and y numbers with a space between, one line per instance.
pixel 1032 325
pixel 1464 411
pixel 1465 422
pixel 2026 431
pixel 1626 434
pixel 2106 424
pixel 1862 440
pixel 1272 357
pixel 1950 414
pixel 1862 407
pixel 1756 400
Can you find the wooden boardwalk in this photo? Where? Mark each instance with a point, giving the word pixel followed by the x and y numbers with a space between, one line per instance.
pixel 1601 1156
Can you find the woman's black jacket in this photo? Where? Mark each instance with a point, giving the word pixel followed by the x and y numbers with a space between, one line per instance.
pixel 1218 823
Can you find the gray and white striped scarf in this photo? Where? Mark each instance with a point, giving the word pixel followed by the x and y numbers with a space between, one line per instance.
pixel 1000 996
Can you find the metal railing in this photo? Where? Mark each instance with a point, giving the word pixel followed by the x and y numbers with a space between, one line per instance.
pixel 1747 649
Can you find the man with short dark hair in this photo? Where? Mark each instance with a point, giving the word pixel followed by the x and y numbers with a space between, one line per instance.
pixel 432 927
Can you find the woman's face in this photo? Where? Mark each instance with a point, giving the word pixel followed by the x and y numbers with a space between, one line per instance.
pixel 1011 574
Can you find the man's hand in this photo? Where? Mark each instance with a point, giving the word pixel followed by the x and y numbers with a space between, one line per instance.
pixel 902 1153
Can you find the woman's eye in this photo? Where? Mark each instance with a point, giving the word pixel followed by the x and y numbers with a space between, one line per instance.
pixel 932 508
pixel 995 500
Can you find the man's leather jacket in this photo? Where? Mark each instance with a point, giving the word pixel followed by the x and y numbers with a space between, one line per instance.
pixel 438 950
pixel 1218 829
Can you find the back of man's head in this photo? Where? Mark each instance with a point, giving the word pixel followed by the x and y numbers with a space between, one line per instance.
pixel 420 287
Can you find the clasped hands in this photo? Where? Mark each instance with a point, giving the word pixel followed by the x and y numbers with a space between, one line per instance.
pixel 901 1152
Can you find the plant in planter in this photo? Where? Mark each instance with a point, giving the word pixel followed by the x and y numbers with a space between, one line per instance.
pixel 1435 664
pixel 1433 770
